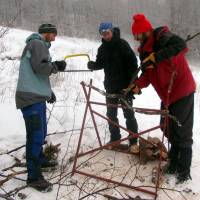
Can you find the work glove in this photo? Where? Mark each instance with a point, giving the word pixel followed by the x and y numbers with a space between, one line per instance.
pixel 149 62
pixel 52 99
pixel 91 65
pixel 61 65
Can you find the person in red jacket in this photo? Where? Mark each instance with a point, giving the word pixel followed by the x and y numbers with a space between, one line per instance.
pixel 167 70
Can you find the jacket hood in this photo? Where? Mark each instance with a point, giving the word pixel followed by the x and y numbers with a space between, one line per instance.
pixel 34 36
pixel 37 36
pixel 116 32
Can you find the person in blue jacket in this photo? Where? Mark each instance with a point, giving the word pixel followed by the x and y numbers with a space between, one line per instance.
pixel 33 90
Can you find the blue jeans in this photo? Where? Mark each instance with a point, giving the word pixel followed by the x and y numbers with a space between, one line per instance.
pixel 36 131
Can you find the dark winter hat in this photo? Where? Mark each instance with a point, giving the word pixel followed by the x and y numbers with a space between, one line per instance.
pixel 141 24
pixel 47 28
pixel 105 26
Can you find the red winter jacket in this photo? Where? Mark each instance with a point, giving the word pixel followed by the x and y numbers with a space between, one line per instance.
pixel 170 55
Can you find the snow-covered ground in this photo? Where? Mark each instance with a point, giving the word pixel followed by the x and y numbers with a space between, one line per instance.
pixel 67 115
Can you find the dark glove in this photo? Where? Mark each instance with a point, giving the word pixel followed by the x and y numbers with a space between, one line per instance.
pixel 91 65
pixel 52 99
pixel 61 65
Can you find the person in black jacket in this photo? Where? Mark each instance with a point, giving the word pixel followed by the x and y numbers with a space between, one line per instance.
pixel 119 62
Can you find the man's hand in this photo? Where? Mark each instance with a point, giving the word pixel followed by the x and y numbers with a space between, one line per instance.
pixel 52 99
pixel 149 62
pixel 131 90
pixel 61 65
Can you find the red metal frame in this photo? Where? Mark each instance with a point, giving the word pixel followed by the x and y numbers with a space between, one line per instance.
pixel 88 108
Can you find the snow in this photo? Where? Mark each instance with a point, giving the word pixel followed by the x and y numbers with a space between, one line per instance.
pixel 67 114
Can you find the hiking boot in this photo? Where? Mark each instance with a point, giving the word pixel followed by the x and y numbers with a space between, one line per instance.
pixel 134 148
pixel 40 184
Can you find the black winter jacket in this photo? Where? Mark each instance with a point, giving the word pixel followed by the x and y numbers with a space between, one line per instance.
pixel 118 61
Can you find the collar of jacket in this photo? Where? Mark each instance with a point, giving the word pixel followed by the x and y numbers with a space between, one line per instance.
pixel 37 36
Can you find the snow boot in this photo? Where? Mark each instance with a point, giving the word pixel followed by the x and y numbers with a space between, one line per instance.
pixel 134 148
pixel 118 147
pixel 40 184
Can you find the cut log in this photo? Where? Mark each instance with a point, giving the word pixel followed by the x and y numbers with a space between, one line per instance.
pixel 151 149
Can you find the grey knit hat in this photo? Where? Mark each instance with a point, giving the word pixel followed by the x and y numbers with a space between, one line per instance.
pixel 47 28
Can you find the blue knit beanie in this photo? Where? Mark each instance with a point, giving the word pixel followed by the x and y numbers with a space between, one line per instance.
pixel 105 26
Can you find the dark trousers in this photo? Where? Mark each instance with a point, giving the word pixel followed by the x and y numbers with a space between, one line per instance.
pixel 36 131
pixel 181 137
pixel 131 122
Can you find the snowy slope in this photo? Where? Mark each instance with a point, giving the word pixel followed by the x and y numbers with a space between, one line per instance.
pixel 67 114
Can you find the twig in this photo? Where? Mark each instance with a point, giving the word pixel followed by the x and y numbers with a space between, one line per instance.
pixel 10 176
pixel 5 197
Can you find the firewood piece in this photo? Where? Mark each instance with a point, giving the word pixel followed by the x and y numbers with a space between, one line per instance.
pixel 151 149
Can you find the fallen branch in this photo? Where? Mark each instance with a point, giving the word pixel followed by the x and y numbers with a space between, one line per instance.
pixel 10 176
pixel 109 197
pixel 13 192
pixel 5 197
